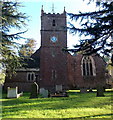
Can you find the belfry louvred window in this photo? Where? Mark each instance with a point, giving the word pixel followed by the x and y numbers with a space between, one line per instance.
pixel 53 23
pixel 88 66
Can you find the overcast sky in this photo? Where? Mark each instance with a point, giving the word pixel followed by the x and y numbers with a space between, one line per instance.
pixel 33 9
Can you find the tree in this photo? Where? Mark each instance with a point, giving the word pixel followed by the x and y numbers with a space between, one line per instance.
pixel 10 18
pixel 27 49
pixel 99 26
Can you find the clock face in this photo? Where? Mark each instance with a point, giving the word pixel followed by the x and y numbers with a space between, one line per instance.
pixel 54 39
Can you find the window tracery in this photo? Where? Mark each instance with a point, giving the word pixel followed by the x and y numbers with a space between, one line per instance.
pixel 88 66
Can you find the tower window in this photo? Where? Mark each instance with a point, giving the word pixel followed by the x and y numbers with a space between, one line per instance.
pixel 88 67
pixel 53 74
pixel 53 23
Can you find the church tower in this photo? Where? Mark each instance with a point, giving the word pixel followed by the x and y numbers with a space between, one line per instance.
pixel 53 64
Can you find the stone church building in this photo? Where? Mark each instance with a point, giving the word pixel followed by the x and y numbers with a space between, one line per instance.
pixel 52 68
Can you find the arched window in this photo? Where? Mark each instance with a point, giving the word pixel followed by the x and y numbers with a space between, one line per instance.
pixel 30 76
pixel 88 66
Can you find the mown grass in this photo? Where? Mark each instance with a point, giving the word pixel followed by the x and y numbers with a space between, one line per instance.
pixel 77 105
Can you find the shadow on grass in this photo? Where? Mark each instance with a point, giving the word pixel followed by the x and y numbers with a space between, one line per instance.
pixel 76 100
pixel 93 117
pixel 73 101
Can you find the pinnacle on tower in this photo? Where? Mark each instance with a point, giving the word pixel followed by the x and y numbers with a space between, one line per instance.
pixel 64 10
pixel 53 8
pixel 42 11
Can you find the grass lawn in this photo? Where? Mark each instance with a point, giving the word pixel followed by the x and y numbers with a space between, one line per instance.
pixel 77 105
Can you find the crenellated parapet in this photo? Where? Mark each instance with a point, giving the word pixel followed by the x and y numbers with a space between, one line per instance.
pixel 43 13
pixel 53 21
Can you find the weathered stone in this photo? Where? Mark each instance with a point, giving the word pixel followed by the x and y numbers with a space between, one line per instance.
pixel 58 88
pixel 44 92
pixel 13 92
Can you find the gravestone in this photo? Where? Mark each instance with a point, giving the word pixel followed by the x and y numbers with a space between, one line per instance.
pixel 44 93
pixel 34 90
pixel 83 90
pixel 58 88
pixel 13 93
pixel 100 91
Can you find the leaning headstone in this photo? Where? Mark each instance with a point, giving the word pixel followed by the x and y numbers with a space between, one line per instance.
pixel 34 90
pixel 44 93
pixel 12 92
pixel 83 90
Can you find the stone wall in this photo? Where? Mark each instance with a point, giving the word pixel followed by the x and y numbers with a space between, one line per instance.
pixel 20 80
pixel 75 72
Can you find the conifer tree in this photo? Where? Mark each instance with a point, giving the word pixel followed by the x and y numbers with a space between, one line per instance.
pixel 99 26
pixel 10 17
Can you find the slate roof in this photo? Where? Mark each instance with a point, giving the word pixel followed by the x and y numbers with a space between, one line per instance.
pixel 33 61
